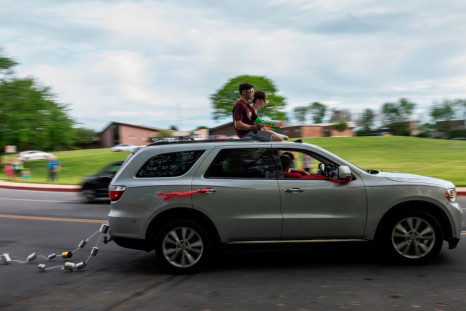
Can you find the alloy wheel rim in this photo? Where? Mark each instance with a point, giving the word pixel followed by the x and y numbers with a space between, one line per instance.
pixel 182 247
pixel 413 237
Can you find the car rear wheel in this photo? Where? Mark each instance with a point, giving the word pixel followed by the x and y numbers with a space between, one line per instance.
pixel 413 237
pixel 183 246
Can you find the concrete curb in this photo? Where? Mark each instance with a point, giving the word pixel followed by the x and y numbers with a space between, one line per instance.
pixel 39 187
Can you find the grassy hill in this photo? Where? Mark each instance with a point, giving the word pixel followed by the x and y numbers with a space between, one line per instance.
pixel 74 165
pixel 440 158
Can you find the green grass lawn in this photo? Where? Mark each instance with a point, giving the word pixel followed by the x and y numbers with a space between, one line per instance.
pixel 440 158
pixel 74 165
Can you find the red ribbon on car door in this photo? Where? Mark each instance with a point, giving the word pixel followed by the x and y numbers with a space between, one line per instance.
pixel 168 196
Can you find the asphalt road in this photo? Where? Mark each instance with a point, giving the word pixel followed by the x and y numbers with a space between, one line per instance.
pixel 317 277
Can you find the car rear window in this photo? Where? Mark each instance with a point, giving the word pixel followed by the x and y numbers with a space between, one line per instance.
pixel 169 164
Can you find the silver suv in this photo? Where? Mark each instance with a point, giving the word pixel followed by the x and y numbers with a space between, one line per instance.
pixel 185 199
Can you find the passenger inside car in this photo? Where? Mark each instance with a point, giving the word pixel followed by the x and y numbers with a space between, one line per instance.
pixel 287 163
pixel 300 163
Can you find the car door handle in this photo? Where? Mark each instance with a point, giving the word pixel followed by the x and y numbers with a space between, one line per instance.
pixel 294 190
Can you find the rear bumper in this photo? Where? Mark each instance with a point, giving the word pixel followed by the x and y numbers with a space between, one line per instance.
pixel 133 243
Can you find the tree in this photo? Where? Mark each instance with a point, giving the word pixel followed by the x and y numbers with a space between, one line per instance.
pixel 300 113
pixel 83 137
pixel 395 116
pixel 6 65
pixel 443 112
pixel 426 130
pixel 340 126
pixel 174 128
pixel 164 134
pixel 340 115
pixel 224 99
pixel 318 111
pixel 397 112
pixel 366 121
pixel 29 116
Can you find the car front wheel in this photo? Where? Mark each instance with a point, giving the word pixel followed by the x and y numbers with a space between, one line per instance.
pixel 413 237
pixel 183 246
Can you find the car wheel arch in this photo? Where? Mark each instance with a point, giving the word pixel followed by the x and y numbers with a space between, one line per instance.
pixel 427 207
pixel 182 213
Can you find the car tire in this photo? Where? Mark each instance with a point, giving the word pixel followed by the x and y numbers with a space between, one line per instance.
pixel 88 195
pixel 412 237
pixel 183 246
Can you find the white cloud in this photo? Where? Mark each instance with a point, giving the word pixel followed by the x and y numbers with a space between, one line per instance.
pixel 157 63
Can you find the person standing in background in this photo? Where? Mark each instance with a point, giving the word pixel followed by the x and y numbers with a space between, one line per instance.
pixel 307 163
pixel 17 167
pixel 53 167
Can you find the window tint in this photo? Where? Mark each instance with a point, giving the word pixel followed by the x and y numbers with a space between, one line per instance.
pixel 243 163
pixel 169 164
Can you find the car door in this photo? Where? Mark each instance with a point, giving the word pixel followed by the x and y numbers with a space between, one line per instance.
pixel 316 208
pixel 244 201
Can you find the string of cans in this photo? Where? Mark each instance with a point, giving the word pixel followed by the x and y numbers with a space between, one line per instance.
pixel 68 265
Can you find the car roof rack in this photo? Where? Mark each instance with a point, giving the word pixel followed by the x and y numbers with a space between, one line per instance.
pixel 191 141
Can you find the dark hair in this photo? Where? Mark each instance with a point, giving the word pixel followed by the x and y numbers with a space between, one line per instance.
pixel 259 95
pixel 244 86
pixel 286 161
pixel 289 154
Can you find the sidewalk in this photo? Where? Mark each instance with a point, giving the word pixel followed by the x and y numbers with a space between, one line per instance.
pixel 75 188
pixel 40 187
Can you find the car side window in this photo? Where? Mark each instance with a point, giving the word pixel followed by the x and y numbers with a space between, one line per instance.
pixel 169 164
pixel 242 163
pixel 301 164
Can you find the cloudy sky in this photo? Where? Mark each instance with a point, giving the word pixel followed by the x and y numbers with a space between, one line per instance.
pixel 156 63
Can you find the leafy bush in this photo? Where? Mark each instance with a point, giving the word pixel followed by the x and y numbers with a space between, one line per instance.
pixel 340 126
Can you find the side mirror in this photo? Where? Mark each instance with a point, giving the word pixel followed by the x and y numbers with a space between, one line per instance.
pixel 344 172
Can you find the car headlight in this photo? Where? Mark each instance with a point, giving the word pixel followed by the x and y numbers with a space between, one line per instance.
pixel 450 194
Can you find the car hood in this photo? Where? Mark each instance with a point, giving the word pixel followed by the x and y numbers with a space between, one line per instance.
pixel 417 179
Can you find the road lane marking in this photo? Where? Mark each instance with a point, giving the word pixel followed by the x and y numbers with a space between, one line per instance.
pixel 34 200
pixel 95 221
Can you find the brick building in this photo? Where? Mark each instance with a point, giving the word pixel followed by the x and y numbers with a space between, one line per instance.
pixel 316 130
pixel 301 130
pixel 226 129
pixel 124 133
